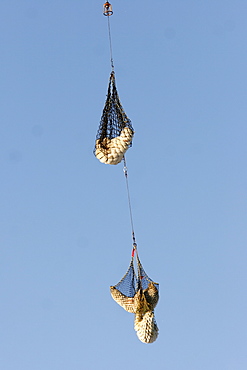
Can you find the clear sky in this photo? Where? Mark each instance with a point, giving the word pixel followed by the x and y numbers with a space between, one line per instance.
pixel 65 232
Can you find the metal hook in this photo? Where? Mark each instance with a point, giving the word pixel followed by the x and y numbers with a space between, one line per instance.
pixel 107 9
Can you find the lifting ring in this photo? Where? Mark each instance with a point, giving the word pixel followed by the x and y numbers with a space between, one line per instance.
pixel 107 9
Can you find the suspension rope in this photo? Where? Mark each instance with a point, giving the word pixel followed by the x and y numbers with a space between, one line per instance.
pixel 125 169
pixel 110 42
pixel 107 11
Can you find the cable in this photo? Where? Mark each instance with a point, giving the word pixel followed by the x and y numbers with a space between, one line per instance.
pixel 108 12
pixel 109 32
pixel 125 169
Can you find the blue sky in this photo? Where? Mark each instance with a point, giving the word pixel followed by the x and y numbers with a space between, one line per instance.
pixel 65 230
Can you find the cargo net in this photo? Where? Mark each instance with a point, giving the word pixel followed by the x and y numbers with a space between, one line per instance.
pixel 139 294
pixel 115 132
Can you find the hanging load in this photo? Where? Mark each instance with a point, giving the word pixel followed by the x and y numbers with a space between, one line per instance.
pixel 138 294
pixel 115 132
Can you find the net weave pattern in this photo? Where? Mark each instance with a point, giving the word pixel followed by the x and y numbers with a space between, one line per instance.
pixel 138 294
pixel 115 132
